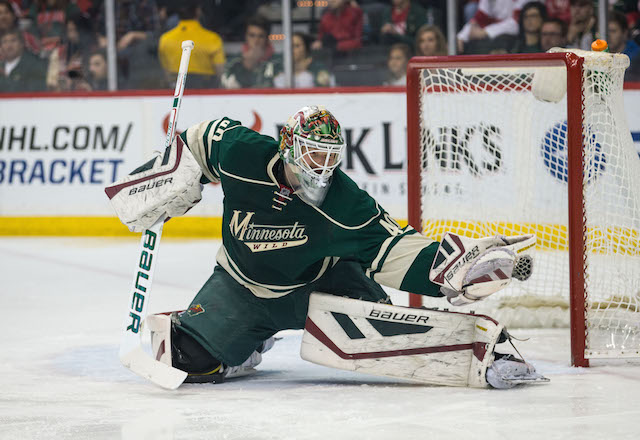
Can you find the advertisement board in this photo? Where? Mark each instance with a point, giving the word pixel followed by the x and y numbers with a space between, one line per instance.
pixel 58 153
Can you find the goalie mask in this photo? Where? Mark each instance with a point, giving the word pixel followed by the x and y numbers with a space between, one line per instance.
pixel 311 146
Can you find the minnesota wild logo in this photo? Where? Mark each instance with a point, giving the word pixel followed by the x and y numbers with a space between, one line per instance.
pixel 195 310
pixel 260 238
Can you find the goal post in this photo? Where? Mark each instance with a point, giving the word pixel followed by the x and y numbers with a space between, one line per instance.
pixel 535 143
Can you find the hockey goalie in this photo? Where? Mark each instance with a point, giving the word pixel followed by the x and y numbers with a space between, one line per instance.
pixel 304 247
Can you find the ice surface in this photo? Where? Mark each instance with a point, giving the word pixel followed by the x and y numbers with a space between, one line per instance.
pixel 62 302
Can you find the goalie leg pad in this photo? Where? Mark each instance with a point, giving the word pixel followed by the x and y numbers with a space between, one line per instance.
pixel 179 350
pixel 428 346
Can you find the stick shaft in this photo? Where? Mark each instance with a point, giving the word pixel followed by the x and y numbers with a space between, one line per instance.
pixel 187 47
pixel 131 354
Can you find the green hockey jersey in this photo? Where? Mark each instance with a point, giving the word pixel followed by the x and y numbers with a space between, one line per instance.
pixel 273 242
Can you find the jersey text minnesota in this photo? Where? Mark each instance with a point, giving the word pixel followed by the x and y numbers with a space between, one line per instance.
pixel 261 238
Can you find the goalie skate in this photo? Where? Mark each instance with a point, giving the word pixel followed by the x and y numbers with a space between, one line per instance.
pixel 507 371
pixel 246 368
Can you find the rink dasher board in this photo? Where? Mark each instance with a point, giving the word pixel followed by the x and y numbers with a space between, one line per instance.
pixel 58 166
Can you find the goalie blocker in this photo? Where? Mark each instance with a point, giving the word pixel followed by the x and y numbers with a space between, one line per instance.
pixel 428 346
pixel 168 184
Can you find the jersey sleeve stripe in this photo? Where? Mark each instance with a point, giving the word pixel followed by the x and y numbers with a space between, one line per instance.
pixel 376 261
pixel 246 179
pixel 335 222
pixel 230 128
pixel 200 150
pixel 398 259
pixel 270 166
pixel 207 144
pixel 386 247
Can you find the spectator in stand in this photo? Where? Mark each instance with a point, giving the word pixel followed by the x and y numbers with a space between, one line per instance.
pixel 631 10
pixel 559 9
pixel 633 72
pixel 255 68
pixel 65 70
pixel 618 36
pixel 168 15
pixel 9 21
pixel 75 81
pixel 228 17
pixel 582 27
pixel 532 16
pixel 49 18
pixel 97 68
pixel 494 18
pixel 23 71
pixel 553 34
pixel 307 71
pixel 430 41
pixel 136 21
pixel 399 56
pixel 137 33
pixel 402 22
pixel 8 18
pixel 207 58
pixel 78 40
pixel 469 10
pixel 340 27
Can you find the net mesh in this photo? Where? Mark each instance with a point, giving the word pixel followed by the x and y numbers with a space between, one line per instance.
pixel 494 161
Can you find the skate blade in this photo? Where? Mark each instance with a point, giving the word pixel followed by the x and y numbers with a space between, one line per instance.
pixel 526 380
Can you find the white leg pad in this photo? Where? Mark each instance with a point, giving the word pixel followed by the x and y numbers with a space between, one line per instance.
pixel 429 346
pixel 160 327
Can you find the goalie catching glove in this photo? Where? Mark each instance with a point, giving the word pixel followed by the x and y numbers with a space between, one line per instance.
pixel 471 269
pixel 168 184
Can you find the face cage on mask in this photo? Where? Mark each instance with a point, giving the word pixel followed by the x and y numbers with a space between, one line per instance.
pixel 320 172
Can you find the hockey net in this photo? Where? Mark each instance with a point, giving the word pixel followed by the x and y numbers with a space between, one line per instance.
pixel 487 156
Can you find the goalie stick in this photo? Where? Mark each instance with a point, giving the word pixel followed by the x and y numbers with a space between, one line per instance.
pixel 131 353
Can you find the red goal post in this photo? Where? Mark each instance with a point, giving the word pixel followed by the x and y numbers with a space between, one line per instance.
pixel 441 80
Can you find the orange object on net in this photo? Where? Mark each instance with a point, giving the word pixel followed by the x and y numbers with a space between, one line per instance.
pixel 600 46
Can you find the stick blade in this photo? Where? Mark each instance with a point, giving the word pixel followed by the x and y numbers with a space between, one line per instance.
pixel 138 361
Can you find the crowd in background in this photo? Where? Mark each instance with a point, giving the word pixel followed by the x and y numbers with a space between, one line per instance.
pixel 60 45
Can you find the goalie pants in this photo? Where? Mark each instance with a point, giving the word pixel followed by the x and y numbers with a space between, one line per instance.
pixel 230 322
